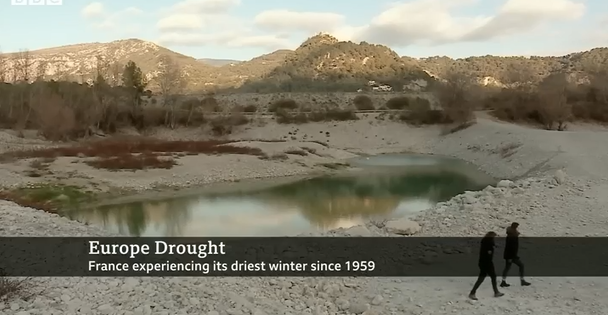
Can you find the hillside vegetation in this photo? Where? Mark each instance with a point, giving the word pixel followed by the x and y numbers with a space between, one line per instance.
pixel 82 63
pixel 322 63
pixel 548 92
pixel 510 69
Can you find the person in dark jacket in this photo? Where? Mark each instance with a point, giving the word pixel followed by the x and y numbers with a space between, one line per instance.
pixel 486 265
pixel 511 256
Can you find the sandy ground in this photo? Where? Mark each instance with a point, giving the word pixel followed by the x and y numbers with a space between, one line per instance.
pixel 559 190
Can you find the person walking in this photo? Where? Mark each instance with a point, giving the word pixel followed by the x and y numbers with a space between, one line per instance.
pixel 511 256
pixel 486 265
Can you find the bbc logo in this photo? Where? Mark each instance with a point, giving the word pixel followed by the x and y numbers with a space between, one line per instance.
pixel 36 2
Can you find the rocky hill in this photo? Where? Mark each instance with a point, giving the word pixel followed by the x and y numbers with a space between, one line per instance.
pixel 321 63
pixel 324 63
pixel 258 66
pixel 81 62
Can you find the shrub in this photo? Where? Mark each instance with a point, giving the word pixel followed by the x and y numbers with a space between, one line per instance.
pixel 210 104
pixel 224 125
pixel 454 97
pixel 363 102
pixel 14 288
pixel 398 102
pixel 513 105
pixel 340 115
pixel 250 108
pixel 429 117
pixel 191 104
pixel 284 117
pixel 420 102
pixel 285 104
pixel 155 116
pixel 553 103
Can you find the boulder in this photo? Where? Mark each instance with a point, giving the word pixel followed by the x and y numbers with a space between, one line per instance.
pixel 560 177
pixel 402 227
pixel 358 230
pixel 504 184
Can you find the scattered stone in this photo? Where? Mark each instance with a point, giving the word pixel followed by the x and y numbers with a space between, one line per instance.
pixel 358 308
pixel 358 230
pixel 560 177
pixel 402 227
pixel 504 184
pixel 377 300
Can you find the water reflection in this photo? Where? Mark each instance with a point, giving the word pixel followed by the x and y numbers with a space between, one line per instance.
pixel 320 203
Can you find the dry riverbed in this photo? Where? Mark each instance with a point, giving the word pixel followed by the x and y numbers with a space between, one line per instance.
pixel 559 190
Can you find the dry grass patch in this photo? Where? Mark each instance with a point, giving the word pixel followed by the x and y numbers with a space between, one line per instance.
pixel 297 152
pixel 285 117
pixel 133 154
pixel 446 130
pixel 275 157
pixel 133 162
pixel 14 288
pixel 47 197
pixel 507 150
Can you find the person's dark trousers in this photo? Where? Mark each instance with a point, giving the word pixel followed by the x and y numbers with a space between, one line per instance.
pixel 509 263
pixel 486 270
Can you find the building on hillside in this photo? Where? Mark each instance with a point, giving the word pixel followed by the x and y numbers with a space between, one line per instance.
pixel 377 87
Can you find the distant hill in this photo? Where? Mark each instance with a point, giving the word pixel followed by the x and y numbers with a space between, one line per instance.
pixel 321 63
pixel 324 63
pixel 79 63
pixel 218 62
pixel 258 66
pixel 510 69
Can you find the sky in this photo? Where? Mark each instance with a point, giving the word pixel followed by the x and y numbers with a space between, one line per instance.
pixel 243 29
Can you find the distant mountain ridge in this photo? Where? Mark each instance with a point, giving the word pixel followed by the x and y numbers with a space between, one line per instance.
pixel 321 63
pixel 218 62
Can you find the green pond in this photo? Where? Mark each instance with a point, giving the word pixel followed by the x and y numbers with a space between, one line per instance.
pixel 382 186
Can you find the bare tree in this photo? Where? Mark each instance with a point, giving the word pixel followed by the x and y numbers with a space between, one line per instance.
pixel 454 98
pixel 115 74
pixel 23 65
pixel 102 68
pixel 41 68
pixel 553 104
pixel 171 83
pixel 106 98
pixel 3 68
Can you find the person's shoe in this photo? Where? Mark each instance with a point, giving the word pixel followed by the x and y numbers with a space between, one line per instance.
pixel 525 283
pixel 498 294
pixel 473 297
pixel 504 284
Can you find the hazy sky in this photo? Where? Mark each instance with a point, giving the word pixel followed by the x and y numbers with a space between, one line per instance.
pixel 242 29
